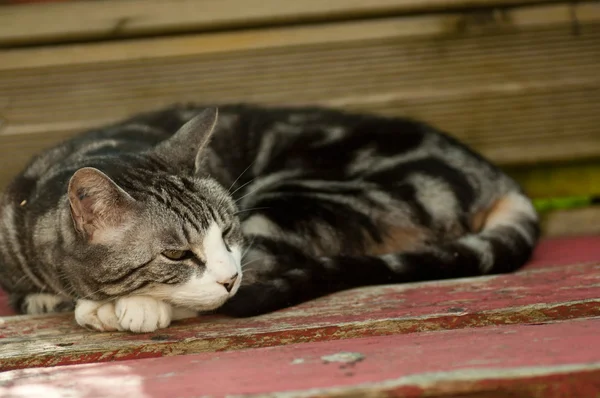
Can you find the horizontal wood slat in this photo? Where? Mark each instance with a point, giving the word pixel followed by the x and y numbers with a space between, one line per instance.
pixel 572 222
pixel 534 295
pixel 111 19
pixel 551 360
pixel 522 88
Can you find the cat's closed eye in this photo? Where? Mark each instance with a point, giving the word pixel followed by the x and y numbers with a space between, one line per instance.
pixel 224 235
pixel 178 255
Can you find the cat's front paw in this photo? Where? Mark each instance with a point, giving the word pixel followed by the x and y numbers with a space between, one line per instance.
pixel 97 316
pixel 44 303
pixel 142 314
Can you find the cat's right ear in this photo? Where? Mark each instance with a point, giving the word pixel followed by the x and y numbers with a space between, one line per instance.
pixel 99 207
pixel 185 147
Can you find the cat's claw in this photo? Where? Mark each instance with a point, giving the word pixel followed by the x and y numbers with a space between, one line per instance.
pixel 142 314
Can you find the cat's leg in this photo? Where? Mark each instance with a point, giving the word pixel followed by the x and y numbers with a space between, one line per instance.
pixel 140 314
pixel 41 303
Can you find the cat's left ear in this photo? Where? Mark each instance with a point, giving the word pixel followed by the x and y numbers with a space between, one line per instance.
pixel 186 146
pixel 99 207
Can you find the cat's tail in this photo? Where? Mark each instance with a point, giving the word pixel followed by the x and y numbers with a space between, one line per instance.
pixel 503 243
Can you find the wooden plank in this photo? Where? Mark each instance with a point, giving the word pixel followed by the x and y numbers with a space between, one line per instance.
pixel 452 26
pixel 43 23
pixel 458 75
pixel 537 295
pixel 572 222
pixel 548 360
pixel 565 251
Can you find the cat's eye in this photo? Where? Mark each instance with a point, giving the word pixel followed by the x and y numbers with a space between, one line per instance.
pixel 226 232
pixel 177 255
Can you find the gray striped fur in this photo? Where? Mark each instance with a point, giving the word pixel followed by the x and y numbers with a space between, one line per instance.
pixel 317 200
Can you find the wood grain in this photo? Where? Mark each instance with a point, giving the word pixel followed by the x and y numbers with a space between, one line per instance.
pixel 93 20
pixel 536 295
pixel 522 90
pixel 549 360
pixel 572 222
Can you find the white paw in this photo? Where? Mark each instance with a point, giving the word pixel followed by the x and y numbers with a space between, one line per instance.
pixel 142 314
pixel 97 316
pixel 44 303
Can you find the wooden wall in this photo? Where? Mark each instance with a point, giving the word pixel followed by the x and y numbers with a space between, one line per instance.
pixel 517 80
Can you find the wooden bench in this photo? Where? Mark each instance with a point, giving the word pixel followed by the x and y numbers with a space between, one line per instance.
pixel 516 79
pixel 533 333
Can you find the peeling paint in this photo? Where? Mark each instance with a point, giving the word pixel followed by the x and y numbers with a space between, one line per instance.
pixel 469 382
pixel 456 363
pixel 343 357
pixel 30 341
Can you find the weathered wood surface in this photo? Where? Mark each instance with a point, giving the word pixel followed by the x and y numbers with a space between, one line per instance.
pixel 573 221
pixel 537 295
pixel 541 360
pixel 113 19
pixel 457 71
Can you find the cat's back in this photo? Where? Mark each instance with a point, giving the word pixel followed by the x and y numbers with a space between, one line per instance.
pixel 335 143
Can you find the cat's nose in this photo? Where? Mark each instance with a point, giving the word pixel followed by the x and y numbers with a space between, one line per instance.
pixel 228 284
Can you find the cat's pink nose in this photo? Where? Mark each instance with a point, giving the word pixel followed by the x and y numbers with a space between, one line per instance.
pixel 228 284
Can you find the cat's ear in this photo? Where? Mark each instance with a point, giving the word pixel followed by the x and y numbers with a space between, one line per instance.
pixel 185 147
pixel 99 207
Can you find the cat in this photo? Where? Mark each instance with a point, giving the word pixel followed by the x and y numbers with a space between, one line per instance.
pixel 249 209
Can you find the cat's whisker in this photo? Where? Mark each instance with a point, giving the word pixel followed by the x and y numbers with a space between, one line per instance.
pixel 240 176
pixel 249 193
pixel 242 186
pixel 252 261
pixel 236 180
pixel 250 209
pixel 249 247
pixel 88 295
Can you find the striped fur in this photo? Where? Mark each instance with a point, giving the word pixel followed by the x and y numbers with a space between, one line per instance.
pixel 323 200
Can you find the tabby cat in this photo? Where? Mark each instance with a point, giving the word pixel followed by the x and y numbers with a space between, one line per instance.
pixel 154 218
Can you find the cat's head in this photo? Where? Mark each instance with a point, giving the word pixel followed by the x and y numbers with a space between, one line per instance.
pixel 172 236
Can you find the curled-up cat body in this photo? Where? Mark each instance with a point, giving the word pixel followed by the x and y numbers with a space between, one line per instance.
pixel 249 210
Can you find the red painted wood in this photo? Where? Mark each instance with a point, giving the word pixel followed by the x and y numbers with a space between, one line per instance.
pixel 550 252
pixel 527 297
pixel 549 360
pixel 565 251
